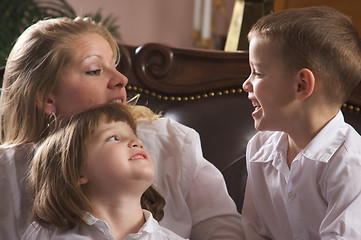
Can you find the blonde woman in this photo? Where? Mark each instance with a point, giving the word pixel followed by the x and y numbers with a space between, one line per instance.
pixel 60 67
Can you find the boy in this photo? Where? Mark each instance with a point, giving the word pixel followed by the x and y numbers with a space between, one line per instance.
pixel 304 65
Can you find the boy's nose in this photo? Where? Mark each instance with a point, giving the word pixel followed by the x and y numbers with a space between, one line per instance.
pixel 247 86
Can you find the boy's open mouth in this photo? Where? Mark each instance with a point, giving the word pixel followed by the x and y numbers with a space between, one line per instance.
pixel 257 107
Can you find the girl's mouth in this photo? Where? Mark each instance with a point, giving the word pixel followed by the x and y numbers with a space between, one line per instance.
pixel 138 157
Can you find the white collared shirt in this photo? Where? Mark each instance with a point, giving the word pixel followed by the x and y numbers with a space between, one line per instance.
pixel 99 229
pixel 197 202
pixel 319 197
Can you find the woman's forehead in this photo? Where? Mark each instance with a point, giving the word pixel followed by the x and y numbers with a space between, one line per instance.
pixel 91 45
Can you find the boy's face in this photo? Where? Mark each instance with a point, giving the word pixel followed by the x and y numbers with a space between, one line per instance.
pixel 271 86
pixel 116 161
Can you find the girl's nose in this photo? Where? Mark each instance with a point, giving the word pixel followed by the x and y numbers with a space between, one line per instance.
pixel 137 143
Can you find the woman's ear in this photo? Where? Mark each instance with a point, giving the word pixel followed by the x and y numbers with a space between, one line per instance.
pixel 48 106
pixel 82 180
pixel 305 83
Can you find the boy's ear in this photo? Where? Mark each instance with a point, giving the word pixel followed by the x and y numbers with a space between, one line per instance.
pixel 49 106
pixel 305 83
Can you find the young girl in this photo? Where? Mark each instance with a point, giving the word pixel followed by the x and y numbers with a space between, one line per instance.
pixel 92 179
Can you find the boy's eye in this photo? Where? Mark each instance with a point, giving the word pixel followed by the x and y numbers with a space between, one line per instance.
pixel 256 74
pixel 113 138
pixel 94 72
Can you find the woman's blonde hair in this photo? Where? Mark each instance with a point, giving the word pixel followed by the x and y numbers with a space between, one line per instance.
pixel 34 69
pixel 55 172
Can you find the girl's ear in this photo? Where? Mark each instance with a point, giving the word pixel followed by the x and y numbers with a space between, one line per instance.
pixel 82 180
pixel 49 106
pixel 305 83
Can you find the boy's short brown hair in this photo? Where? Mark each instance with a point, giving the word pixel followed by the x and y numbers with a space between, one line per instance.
pixel 320 39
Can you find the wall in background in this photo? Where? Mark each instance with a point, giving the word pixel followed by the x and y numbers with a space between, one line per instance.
pixel 143 21
pixel 351 8
pixel 171 21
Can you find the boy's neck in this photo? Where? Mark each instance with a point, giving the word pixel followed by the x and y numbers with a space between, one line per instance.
pixel 123 218
pixel 305 127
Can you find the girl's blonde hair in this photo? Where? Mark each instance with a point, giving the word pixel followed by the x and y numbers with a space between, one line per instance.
pixel 34 69
pixel 53 178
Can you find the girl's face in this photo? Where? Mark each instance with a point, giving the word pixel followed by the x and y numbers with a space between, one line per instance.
pixel 116 161
pixel 89 79
pixel 271 87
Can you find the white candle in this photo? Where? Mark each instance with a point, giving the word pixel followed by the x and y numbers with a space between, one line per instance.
pixel 197 15
pixel 207 17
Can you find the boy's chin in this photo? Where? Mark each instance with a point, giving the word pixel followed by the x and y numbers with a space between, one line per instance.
pixel 261 126
pixel 258 126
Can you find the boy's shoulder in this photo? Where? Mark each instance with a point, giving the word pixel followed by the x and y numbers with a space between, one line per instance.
pixel 352 141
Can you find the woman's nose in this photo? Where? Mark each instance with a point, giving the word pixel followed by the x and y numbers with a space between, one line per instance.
pixel 117 79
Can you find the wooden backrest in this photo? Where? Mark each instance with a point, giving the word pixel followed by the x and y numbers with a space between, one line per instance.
pixel 201 89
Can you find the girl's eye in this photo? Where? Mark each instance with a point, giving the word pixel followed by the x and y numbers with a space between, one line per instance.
pixel 113 138
pixel 94 73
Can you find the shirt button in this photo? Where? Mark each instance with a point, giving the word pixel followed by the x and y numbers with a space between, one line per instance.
pixel 291 195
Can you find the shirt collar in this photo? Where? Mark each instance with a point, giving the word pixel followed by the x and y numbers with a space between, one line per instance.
pixel 321 148
pixel 327 141
pixel 278 145
pixel 150 225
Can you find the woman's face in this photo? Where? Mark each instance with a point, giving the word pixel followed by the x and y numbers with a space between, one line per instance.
pixel 89 79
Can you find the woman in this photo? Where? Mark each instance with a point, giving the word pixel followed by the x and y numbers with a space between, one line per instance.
pixel 59 67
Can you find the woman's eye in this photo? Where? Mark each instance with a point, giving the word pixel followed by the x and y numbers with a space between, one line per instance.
pixel 94 72
pixel 113 138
